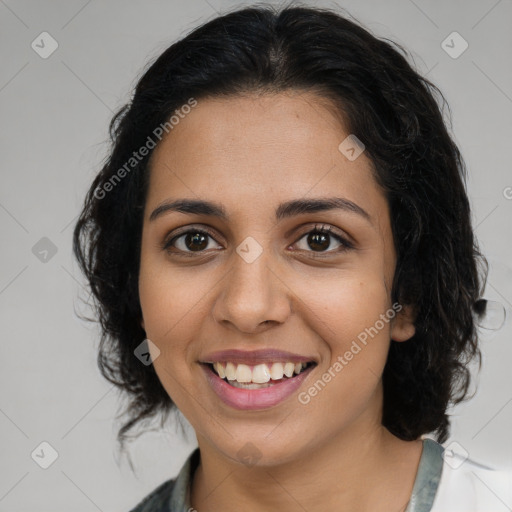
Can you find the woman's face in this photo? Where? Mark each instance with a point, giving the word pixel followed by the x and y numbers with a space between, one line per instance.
pixel 263 279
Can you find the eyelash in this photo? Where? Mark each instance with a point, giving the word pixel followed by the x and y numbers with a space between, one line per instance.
pixel 326 230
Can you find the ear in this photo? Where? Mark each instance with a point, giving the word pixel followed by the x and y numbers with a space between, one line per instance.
pixel 403 325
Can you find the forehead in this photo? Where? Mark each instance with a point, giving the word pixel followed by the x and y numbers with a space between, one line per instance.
pixel 259 150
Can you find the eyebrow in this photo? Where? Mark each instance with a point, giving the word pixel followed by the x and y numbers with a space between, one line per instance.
pixel 284 210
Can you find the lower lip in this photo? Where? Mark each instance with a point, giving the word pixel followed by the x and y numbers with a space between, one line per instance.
pixel 252 399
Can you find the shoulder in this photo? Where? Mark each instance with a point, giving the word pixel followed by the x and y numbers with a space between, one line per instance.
pixel 468 486
pixel 158 499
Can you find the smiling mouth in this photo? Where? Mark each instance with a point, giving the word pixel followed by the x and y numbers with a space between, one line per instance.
pixel 258 376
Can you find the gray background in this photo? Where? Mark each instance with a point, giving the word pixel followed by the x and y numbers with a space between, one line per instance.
pixel 54 118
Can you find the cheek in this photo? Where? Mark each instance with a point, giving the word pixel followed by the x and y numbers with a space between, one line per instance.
pixel 344 305
pixel 169 299
pixel 169 305
pixel 346 314
pixel 175 304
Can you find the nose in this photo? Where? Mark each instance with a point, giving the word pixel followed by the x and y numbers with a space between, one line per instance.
pixel 253 296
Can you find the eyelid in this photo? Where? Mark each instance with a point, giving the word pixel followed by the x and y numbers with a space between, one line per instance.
pixel 201 228
pixel 344 240
pixel 331 231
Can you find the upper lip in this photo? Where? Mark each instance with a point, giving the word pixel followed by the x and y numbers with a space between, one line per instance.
pixel 254 357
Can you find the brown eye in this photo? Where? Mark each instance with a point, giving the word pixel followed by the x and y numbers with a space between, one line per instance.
pixel 194 240
pixel 320 239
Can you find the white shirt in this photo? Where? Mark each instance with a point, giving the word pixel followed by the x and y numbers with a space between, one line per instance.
pixel 467 486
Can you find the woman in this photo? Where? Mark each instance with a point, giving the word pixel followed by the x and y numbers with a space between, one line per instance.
pixel 282 230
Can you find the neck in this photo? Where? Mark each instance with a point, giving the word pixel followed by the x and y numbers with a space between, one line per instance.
pixel 359 469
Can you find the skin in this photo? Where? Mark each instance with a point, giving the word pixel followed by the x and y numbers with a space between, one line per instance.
pixel 250 154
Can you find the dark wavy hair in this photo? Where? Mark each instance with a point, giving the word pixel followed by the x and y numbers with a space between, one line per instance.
pixel 392 109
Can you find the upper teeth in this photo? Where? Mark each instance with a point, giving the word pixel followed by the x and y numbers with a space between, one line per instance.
pixel 260 373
